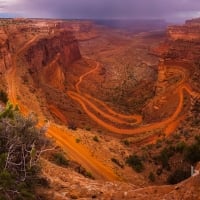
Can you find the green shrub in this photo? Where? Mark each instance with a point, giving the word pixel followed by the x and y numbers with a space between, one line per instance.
pixel 3 96
pixel 126 142
pixel 180 147
pixel 96 139
pixel 23 142
pixel 135 162
pixel 114 160
pixel 72 126
pixel 192 153
pixel 88 129
pixel 178 176
pixel 6 179
pixel 152 177
pixel 60 159
pixel 197 138
pixel 165 155
pixel 89 175
pixel 78 140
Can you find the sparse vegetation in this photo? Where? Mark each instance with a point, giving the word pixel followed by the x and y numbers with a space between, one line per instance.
pixel 3 96
pixel 89 175
pixel 88 128
pixel 114 160
pixel 152 177
pixel 60 159
pixel 21 145
pixel 96 139
pixel 164 156
pixel 78 140
pixel 178 176
pixel 135 162
pixel 126 142
pixel 180 147
pixel 72 126
pixel 192 153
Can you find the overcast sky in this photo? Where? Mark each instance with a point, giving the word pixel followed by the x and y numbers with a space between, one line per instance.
pixel 171 10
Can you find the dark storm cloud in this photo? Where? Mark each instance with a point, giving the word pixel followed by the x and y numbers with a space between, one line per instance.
pixel 168 9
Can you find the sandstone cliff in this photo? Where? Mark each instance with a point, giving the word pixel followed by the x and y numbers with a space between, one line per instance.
pixel 83 30
pixel 49 57
pixel 189 31
pixel 66 184
pixel 5 55
pixel 182 44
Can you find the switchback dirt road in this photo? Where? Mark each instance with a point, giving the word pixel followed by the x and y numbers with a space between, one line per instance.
pixel 87 103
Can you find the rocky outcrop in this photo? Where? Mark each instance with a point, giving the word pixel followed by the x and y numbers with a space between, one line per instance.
pixel 5 55
pixel 49 57
pixel 83 30
pixel 189 31
pixel 66 184
pixel 182 44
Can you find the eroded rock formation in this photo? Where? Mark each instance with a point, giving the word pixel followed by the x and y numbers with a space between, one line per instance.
pixel 49 57
pixel 189 31
pixel 5 55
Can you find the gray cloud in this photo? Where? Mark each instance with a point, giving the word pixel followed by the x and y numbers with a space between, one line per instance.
pixel 167 9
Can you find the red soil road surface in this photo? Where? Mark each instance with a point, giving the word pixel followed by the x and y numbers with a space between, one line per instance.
pixel 76 151
pixel 79 153
pixel 58 114
pixel 83 76
pixel 142 129
pixel 137 118
pixel 105 115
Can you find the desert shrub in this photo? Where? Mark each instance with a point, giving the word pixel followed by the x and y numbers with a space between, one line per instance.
pixel 159 171
pixel 126 142
pixel 3 96
pixel 192 153
pixel 135 162
pixel 59 159
pixel 114 160
pixel 21 145
pixel 72 126
pixel 158 144
pixel 165 155
pixel 152 177
pixel 89 175
pixel 78 140
pixel 96 139
pixel 9 111
pixel 197 138
pixel 180 147
pixel 178 176
pixel 88 128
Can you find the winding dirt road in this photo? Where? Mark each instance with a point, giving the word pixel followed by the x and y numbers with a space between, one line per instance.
pixel 58 114
pixel 76 151
pixel 79 152
pixel 170 123
pixel 84 75
pixel 135 119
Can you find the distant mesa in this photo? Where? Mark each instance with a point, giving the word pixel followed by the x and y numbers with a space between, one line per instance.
pixel 189 31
